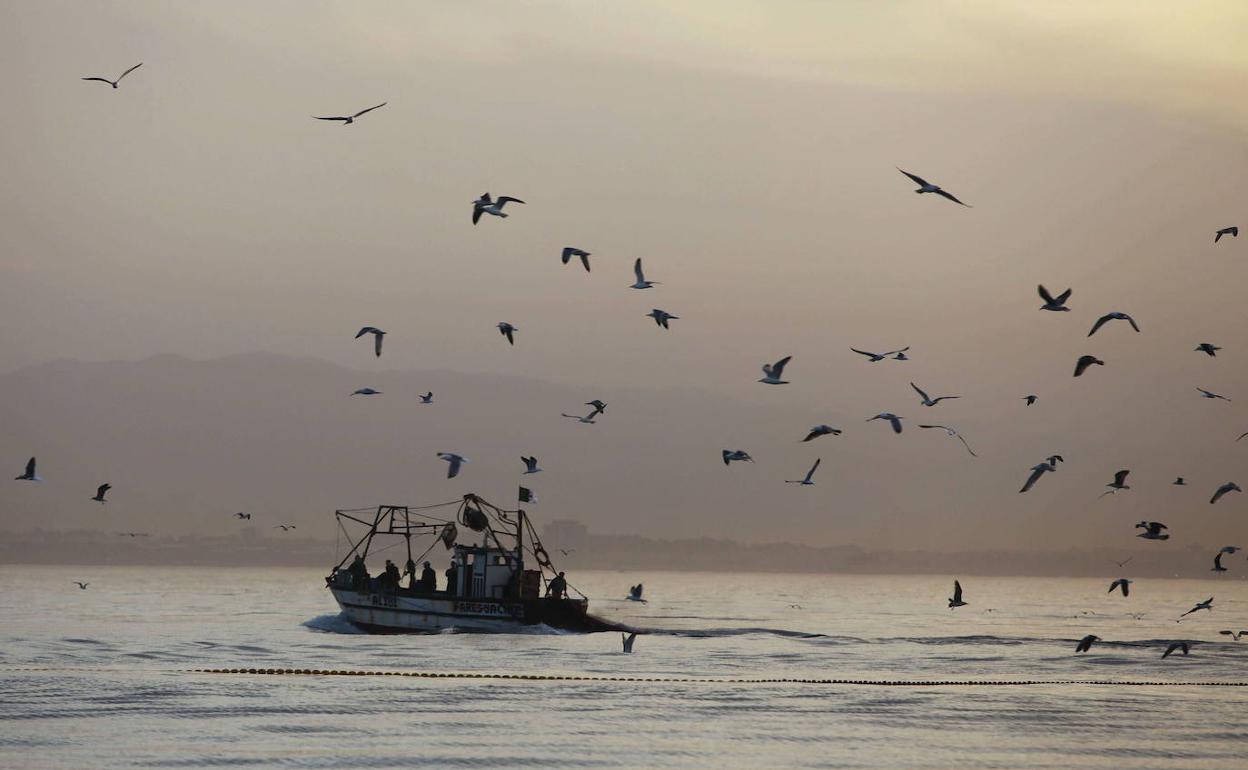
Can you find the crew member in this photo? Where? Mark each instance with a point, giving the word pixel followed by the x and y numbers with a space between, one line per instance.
pixel 450 579
pixel 428 578
pixel 557 588
pixel 392 575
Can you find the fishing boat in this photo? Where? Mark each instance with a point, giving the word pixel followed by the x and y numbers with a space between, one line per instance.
pixel 489 586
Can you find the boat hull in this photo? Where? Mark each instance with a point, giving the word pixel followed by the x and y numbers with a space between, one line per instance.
pixel 387 613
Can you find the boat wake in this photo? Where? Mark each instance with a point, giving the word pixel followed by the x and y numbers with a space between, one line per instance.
pixel 332 624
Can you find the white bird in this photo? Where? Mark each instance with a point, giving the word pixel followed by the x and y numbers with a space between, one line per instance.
pixel 893 420
pixel 806 482
pixel 349 119
pixel 1209 394
pixel 628 640
pixel 427 398
pixel 1036 472
pixel 1122 583
pixel 1229 486
pixel 953 434
pixel 1231 231
pixel 928 187
pixel 366 392
pixel 1208 348
pixel 1118 483
pixel 1084 362
pixel 898 355
pixel 29 474
pixel 571 251
pixel 821 430
pixel 600 406
pixel 378 334
pixel 1207 604
pixel 928 401
pixel 1152 530
pixel 956 599
pixel 1114 316
pixel 736 455
pixel 530 465
pixel 101 491
pixel 456 461
pixel 508 331
pixel 81 585
pixel 641 282
pixel 635 592
pixel 661 317
pixel 114 83
pixel 1086 642
pixel 773 372
pixel 1056 304
pixel 1176 646
pixel 485 205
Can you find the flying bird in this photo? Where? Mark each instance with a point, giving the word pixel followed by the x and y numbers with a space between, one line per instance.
pixel 1209 394
pixel 508 331
pixel 928 187
pixel 1217 563
pixel 1175 646
pixel 893 420
pixel 1231 231
pixel 1122 583
pixel 349 119
pixel 956 600
pixel 455 462
pixel 821 430
pixel 641 282
pixel 285 527
pixel 1209 348
pixel 1036 472
pixel 101 491
pixel 366 392
pixel 628 640
pixel 600 406
pixel 736 455
pixel 427 398
pixel 1122 563
pixel 1234 634
pixel 571 251
pixel 1152 530
pixel 1207 604
pixel 806 482
pixel 1056 304
pixel 1086 642
pixel 927 400
pixel 1229 486
pixel 29 474
pixel 132 534
pixel 378 334
pixel 1084 362
pixel 773 372
pixel 1114 316
pixel 898 355
pixel 81 585
pixel 241 515
pixel 1118 483
pixel 485 205
pixel 661 317
pixel 1030 399
pixel 530 465
pixel 567 551
pixel 635 592
pixel 953 434
pixel 1179 482
pixel 114 83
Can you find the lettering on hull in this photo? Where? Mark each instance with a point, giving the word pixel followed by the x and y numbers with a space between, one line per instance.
pixel 491 609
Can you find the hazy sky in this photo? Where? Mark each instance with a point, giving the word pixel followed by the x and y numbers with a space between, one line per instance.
pixel 746 150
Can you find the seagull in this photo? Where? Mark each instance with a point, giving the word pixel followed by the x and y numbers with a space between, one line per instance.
pixel 507 330
pixel 821 430
pixel 954 434
pixel 349 119
pixel 1122 583
pixel 567 551
pixel 635 592
pixel 956 600
pixel 456 461
pixel 1210 348
pixel 484 205
pixel 1085 643
pixel 806 482
pixel 530 465
pixel 1122 563
pixel 1152 530
pixel 1030 399
pixel 241 515
pixel 427 398
pixel 1209 394
pixel 29 474
pixel 1175 646
pixel 1229 486
pixel 571 251
pixel 1056 304
pixel 285 527
pixel 366 392
pixel 873 357
pixel 641 282
pixel 773 372
pixel 378 334
pixel 1179 482
pixel 114 83
pixel 927 400
pixel 132 534
pixel 1084 362
pixel 893 420
pixel 1217 563
pixel 1231 231
pixel 1207 604
pixel 736 455
pixel 928 187
pixel 587 419
pixel 101 491
pixel 661 317
pixel 600 406
pixel 628 640
pixel 81 585
pixel 1117 484
pixel 1114 316
pixel 1036 472
pixel 1234 634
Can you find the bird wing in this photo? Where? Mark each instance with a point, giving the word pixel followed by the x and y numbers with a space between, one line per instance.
pixel 1061 298
pixel 585 260
pixel 1044 295
pixel 641 277
pixel 30 467
pixel 1131 321
pixel 968 446
pixel 504 199
pixel 813 468
pixel 127 72
pixel 1099 323
pixel 320 118
pixel 377 338
pixel 1036 473
pixel 370 109
pixel 919 390
pixel 777 369
pixel 920 181
pixel 726 454
pixel 952 197
pixel 1120 476
pixel 957 591
pixel 102 80
pixel 895 421
pixel 864 353
pixel 476 216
